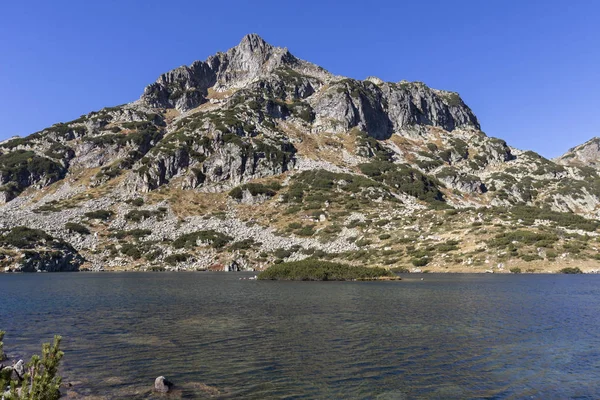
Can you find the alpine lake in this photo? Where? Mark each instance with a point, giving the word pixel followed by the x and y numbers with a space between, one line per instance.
pixel 429 336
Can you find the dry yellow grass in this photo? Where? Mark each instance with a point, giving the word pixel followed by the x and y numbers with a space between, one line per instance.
pixel 171 114
pixel 213 94
pixel 189 202
pixel 322 146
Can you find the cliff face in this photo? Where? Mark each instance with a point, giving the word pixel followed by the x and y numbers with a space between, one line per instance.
pixel 272 129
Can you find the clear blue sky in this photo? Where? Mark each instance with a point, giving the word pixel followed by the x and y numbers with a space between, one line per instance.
pixel 529 69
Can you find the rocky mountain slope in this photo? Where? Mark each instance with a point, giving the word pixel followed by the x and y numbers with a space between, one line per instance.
pixel 255 156
pixel 584 155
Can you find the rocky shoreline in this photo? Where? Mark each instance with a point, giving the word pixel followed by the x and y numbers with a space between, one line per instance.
pixel 50 386
pixel 522 268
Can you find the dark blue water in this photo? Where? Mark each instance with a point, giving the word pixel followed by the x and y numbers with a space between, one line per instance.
pixel 447 337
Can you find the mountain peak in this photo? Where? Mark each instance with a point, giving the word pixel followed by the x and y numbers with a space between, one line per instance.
pixel 186 87
pixel 253 42
pixel 253 57
pixel 255 47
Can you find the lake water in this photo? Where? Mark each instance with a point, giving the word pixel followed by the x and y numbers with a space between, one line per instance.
pixel 448 336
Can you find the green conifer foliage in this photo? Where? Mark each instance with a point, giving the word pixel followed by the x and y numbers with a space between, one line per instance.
pixel 40 381
pixel 2 355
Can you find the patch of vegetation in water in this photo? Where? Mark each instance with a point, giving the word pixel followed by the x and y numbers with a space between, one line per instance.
pixel 316 270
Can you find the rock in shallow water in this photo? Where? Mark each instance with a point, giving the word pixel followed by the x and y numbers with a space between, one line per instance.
pixel 161 384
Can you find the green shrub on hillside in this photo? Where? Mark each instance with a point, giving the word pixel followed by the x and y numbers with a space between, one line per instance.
pixel 140 215
pixel 530 257
pixel 137 202
pixel 136 233
pixel 529 214
pixel 131 250
pixel 400 270
pixel 22 162
pixel 189 240
pixel 77 228
pixel 99 214
pixel 282 253
pixel 404 179
pixel 539 239
pixel 21 166
pixel 177 258
pixel 255 189
pixel 306 231
pixel 450 245
pixel 59 151
pixel 419 262
pixel 24 237
pixel 245 244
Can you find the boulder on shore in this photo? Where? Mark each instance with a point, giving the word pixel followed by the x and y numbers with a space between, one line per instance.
pixel 19 368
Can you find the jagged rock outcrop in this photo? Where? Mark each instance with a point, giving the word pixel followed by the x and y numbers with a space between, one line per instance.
pixel 417 104
pixel 383 109
pixel 236 163
pixel 33 250
pixel 462 182
pixel 63 260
